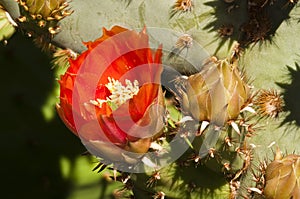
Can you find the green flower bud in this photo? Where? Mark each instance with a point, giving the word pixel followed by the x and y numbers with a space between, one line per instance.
pixel 39 19
pixel 50 10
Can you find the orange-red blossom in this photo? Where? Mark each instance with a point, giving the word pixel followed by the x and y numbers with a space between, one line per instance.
pixel 111 94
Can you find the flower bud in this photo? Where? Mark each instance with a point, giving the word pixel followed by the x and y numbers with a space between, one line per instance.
pixel 217 93
pixel 283 177
pixel 46 9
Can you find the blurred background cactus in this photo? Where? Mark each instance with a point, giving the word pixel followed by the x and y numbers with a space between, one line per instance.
pixel 255 40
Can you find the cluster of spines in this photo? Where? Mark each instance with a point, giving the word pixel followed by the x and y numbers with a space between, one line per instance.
pixel 259 25
pixel 181 6
pixel 269 103
pixel 40 19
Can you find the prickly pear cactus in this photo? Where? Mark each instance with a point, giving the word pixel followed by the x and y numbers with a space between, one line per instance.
pixel 230 80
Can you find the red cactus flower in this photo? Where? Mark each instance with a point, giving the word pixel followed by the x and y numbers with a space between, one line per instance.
pixel 111 94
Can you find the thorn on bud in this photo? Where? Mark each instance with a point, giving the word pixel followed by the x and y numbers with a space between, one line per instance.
pixel 256 190
pixel 153 179
pixel 22 19
pixel 42 23
pixel 159 195
pixel 54 30
pixel 227 166
pixel 212 152
pixel 203 126
pixel 235 127
pixel 228 141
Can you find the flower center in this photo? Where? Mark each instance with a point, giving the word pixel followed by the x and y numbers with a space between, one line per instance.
pixel 119 93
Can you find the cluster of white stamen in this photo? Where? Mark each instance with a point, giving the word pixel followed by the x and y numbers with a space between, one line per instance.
pixel 119 93
pixel 98 102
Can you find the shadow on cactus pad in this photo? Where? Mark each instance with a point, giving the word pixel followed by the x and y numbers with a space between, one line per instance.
pixel 278 12
pixel 182 180
pixel 291 95
pixel 228 18
pixel 248 23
